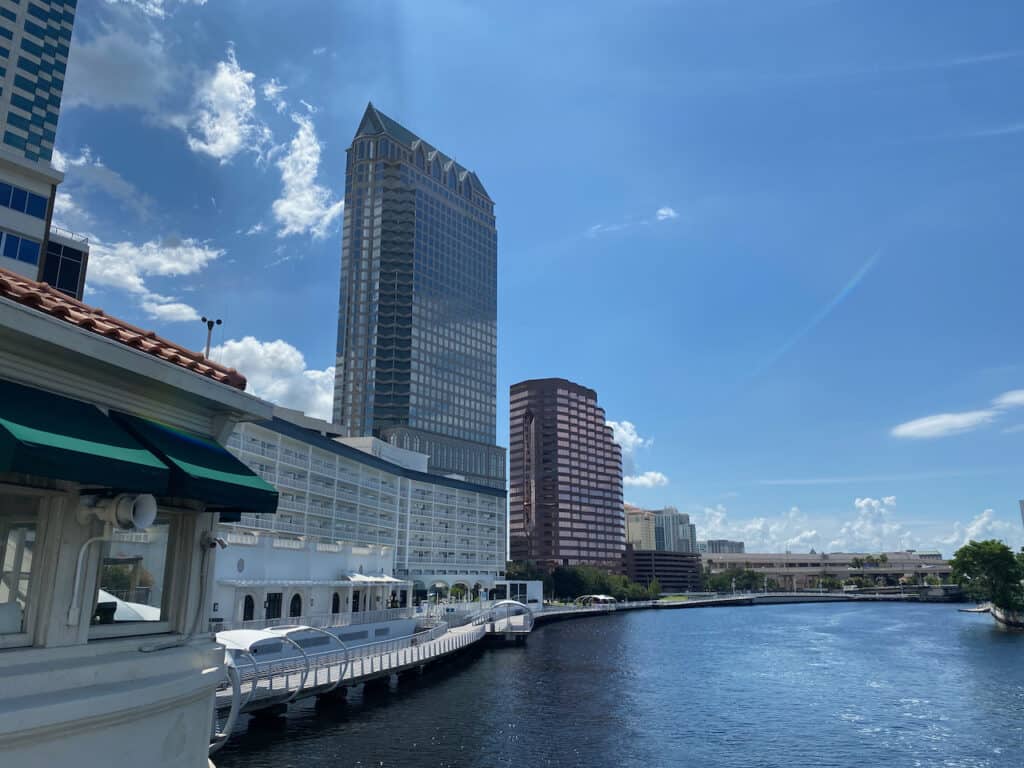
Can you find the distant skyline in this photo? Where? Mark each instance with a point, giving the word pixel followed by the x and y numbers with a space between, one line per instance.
pixel 779 239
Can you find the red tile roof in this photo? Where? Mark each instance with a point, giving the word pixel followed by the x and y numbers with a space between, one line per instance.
pixel 52 302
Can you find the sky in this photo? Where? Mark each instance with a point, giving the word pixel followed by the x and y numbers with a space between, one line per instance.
pixel 781 240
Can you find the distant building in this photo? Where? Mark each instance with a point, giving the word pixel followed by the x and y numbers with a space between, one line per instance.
pixel 640 531
pixel 675 571
pixel 417 311
pixel 720 546
pixel 565 491
pixel 792 571
pixel 664 530
pixel 35 42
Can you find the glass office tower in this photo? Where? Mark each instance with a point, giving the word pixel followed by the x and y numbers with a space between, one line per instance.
pixel 417 319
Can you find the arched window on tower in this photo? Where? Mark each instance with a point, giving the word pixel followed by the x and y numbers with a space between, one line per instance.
pixel 453 179
pixel 435 170
pixel 421 160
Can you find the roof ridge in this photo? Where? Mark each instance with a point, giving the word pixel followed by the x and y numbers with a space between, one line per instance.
pixel 46 299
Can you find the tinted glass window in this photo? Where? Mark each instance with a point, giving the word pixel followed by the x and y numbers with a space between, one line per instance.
pixel 18 199
pixel 29 251
pixel 11 244
pixel 36 206
pixel 51 267
pixel 5 194
pixel 69 274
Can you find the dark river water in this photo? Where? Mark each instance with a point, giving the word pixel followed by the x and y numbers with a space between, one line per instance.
pixel 801 685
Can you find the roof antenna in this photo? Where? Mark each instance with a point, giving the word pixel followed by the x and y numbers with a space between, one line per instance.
pixel 209 333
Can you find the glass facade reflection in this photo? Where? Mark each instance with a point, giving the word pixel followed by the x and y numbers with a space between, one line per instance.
pixel 417 321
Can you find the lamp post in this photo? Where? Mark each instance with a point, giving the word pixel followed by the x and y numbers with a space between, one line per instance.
pixel 209 332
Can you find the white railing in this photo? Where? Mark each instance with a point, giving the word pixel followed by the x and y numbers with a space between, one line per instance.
pixel 319 620
pixel 263 683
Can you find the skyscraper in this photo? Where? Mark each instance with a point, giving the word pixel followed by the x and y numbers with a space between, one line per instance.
pixel 35 37
pixel 417 319
pixel 565 490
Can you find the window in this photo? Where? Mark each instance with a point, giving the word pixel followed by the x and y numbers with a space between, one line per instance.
pixel 134 571
pixel 295 607
pixel 272 605
pixel 248 608
pixel 336 604
pixel 18 518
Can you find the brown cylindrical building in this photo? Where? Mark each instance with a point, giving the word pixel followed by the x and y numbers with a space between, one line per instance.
pixel 565 494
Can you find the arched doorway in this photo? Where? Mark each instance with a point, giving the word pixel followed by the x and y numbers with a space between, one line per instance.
pixel 248 608
pixel 295 607
pixel 336 604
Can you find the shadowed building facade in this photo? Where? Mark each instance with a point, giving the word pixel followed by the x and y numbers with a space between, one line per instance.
pixel 417 321
pixel 565 491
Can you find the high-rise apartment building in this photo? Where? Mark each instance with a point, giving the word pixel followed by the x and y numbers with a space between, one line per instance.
pixel 721 547
pixel 417 320
pixel 35 36
pixel 565 491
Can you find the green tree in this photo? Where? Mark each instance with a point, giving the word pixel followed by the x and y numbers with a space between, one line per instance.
pixel 654 589
pixel 989 570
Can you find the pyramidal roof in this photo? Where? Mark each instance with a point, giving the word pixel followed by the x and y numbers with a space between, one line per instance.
pixel 376 122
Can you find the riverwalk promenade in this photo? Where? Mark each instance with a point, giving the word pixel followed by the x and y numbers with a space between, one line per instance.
pixel 269 686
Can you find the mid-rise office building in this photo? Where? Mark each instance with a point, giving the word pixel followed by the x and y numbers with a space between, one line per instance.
pixel 417 320
pixel 565 494
pixel 356 506
pixel 35 37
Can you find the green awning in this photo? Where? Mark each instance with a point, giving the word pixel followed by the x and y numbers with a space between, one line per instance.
pixel 201 468
pixel 47 435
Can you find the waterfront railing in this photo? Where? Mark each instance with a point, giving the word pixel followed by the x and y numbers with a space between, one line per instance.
pixel 320 620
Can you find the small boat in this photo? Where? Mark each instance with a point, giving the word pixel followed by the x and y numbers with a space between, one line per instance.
pixel 983 608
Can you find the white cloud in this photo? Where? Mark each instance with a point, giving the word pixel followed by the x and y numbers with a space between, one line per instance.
pixel 872 528
pixel 124 65
pixel 171 312
pixel 272 90
pixel 666 213
pixel 125 266
pixel 1012 399
pixel 646 480
pixel 277 371
pixel 319 51
pixel 255 229
pixel 155 8
pixel 86 172
pixel 304 207
pixel 943 424
pixel 223 122
pixel 624 433
pixel 789 531
pixel 600 229
pixel 68 214
pixel 983 526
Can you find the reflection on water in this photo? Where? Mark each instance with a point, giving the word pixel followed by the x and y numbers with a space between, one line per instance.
pixel 810 685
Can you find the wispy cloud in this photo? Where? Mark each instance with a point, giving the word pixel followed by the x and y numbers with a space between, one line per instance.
pixel 647 479
pixel 946 424
pixel 881 478
pixel 304 207
pixel 665 213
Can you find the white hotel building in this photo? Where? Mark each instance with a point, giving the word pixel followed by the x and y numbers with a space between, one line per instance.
pixel 358 523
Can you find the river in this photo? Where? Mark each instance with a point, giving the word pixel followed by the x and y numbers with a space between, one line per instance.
pixel 829 685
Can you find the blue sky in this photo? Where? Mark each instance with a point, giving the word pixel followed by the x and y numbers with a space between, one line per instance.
pixel 782 240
